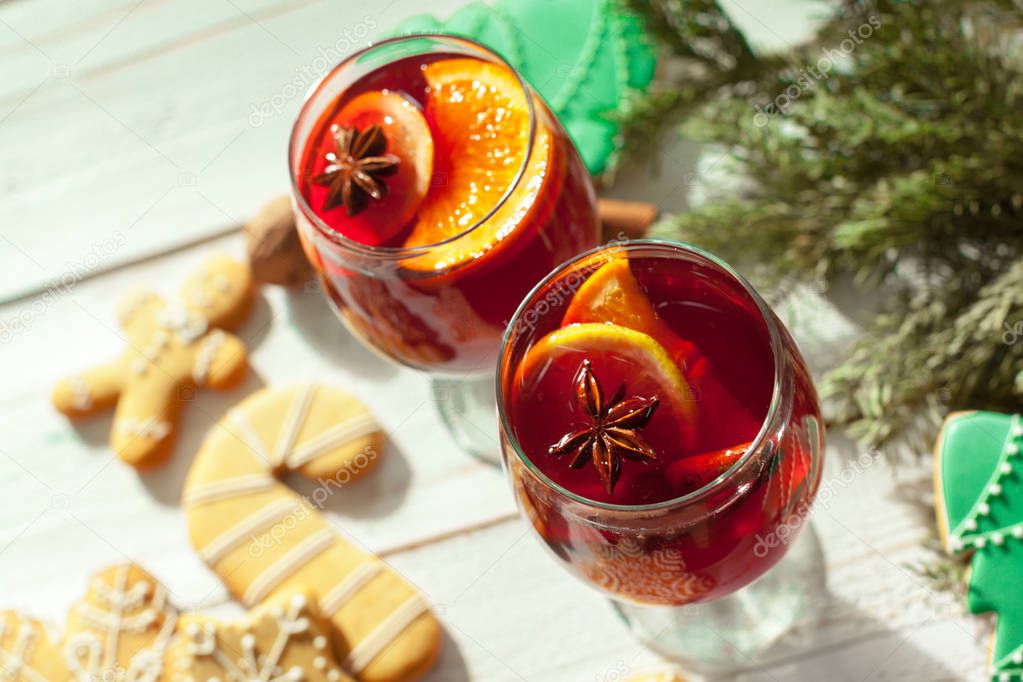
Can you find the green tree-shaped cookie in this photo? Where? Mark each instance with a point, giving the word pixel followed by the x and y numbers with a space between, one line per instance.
pixel 582 56
pixel 979 485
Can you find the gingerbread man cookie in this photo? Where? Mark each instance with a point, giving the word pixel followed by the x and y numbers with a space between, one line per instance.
pixel 173 348
pixel 28 653
pixel 263 540
pixel 979 498
pixel 120 630
pixel 281 641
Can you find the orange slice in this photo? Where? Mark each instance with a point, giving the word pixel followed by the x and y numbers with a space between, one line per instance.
pixel 612 295
pixel 618 356
pixel 480 119
pixel 408 138
pixel 692 473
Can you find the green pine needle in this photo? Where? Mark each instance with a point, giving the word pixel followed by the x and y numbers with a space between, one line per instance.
pixel 902 166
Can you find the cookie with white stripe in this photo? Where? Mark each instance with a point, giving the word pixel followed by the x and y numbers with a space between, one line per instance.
pixel 28 652
pixel 172 349
pixel 284 640
pixel 264 540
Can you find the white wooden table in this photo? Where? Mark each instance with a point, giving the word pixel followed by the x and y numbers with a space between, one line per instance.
pixel 129 151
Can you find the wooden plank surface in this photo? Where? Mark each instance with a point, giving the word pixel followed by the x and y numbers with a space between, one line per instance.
pixel 143 142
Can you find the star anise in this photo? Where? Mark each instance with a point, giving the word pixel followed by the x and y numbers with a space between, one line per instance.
pixel 612 432
pixel 356 168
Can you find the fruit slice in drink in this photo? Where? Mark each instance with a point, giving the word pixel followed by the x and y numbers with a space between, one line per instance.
pixel 612 295
pixel 480 118
pixel 407 137
pixel 626 364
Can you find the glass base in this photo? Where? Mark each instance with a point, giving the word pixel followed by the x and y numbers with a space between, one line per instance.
pixel 468 407
pixel 732 634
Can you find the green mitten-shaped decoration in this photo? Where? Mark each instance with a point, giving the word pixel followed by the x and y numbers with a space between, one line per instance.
pixel 979 486
pixel 582 56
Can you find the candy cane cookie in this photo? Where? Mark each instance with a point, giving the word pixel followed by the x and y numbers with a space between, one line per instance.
pixel 172 349
pixel 263 539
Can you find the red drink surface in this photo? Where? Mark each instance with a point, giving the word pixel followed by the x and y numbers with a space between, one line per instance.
pixel 444 306
pixel 713 333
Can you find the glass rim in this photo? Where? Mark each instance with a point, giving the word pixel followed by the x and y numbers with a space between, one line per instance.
pixel 401 252
pixel 777 353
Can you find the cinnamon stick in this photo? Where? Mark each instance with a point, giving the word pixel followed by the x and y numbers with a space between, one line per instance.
pixel 630 219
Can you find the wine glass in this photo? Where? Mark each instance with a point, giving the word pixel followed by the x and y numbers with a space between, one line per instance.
pixel 694 541
pixel 438 295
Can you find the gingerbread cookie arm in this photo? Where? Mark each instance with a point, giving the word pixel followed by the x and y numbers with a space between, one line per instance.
pixel 90 392
pixel 220 361
pixel 146 419
pixel 263 539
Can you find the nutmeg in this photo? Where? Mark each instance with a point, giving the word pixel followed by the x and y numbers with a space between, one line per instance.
pixel 275 252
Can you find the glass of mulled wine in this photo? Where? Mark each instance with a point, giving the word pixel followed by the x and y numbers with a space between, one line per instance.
pixel 433 188
pixel 663 437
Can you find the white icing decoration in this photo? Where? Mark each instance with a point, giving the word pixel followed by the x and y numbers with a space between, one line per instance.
pixel 200 298
pixel 206 354
pixel 287 565
pixel 81 396
pixel 296 416
pixel 358 426
pixel 252 664
pixel 265 516
pixel 383 634
pixel 14 663
pixel 158 343
pixel 964 535
pixel 244 431
pixel 186 324
pixel 93 654
pixel 348 586
pixel 227 488
pixel 149 427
